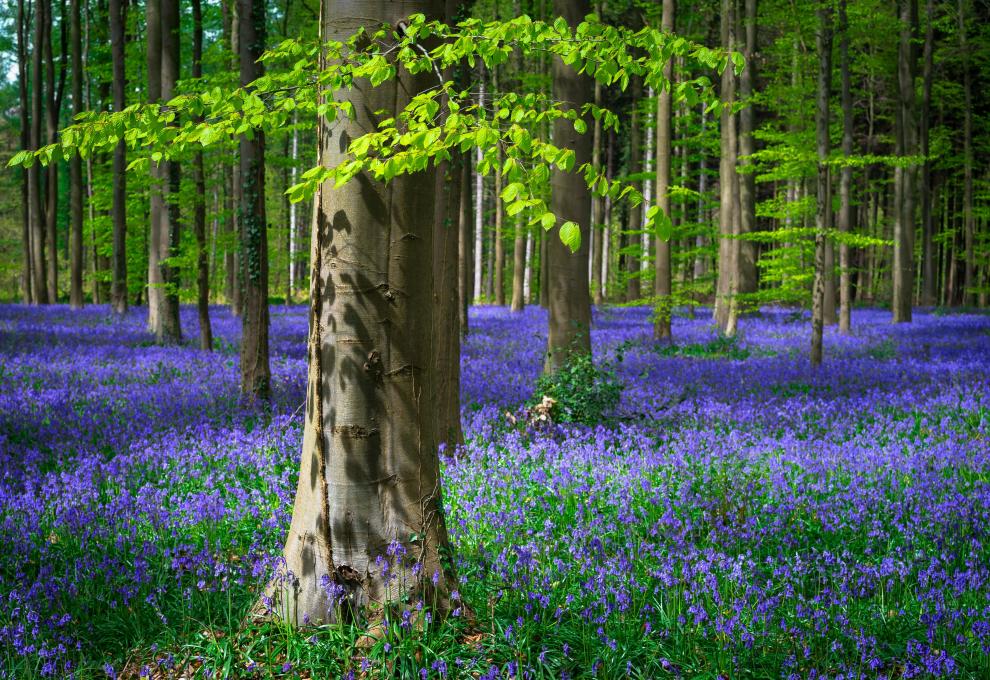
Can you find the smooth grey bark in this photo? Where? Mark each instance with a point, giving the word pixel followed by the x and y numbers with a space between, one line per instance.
pixel 369 491
pixel 118 258
pixel 53 109
pixel 255 368
pixel 728 260
pixel 635 213
pixel 823 38
pixel 567 272
pixel 199 210
pixel 597 202
pixel 153 62
pixel 169 329
pixel 75 166
pixel 464 241
pixel 903 265
pixel 928 275
pixel 969 221
pixel 664 154
pixel 23 21
pixel 845 181
pixel 747 146
pixel 35 197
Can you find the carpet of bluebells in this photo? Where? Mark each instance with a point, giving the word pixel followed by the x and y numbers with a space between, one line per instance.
pixel 740 514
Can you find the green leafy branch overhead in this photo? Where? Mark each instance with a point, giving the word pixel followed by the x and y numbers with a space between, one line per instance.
pixel 437 123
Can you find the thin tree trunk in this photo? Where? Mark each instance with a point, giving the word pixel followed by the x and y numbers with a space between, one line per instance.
pixel 969 221
pixel 75 167
pixel 903 267
pixel 824 44
pixel 499 268
pixel 199 213
pixel 569 298
pixel 747 146
pixel 664 153
pixel 255 369
pixel 23 21
pixel 845 180
pixel 464 244
pixel 118 280
pixel 597 203
pixel 153 60
pixel 635 213
pixel 35 196
pixel 479 209
pixel 53 92
pixel 372 383
pixel 728 270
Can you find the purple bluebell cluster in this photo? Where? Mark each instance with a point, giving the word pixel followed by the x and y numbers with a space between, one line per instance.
pixel 733 516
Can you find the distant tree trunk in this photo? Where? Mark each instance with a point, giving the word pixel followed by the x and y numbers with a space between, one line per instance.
pixel 464 244
pixel 255 370
pixel 499 267
pixel 664 153
pixel 728 269
pixel 903 267
pixel 824 44
pixel 927 247
pixel 118 279
pixel 829 297
pixel 607 214
pixel 479 209
pixel 372 383
pixel 597 202
pixel 75 166
pixel 518 267
pixel 569 298
pixel 153 56
pixel 169 329
pixel 23 21
pixel 199 212
pixel 969 221
pixel 635 224
pixel 53 110
pixel 845 181
pixel 747 146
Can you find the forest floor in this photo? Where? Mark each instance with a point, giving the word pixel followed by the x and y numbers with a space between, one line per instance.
pixel 739 514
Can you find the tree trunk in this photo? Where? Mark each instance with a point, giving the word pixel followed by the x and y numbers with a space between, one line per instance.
pixel 635 223
pixel 969 269
pixel 75 167
pixel 569 298
pixel 118 280
pixel 747 146
pixel 464 244
pixel 499 266
pixel 664 151
pixel 23 21
pixel 824 44
pixel 53 111
pixel 597 203
pixel 255 370
pixel 728 270
pixel 153 55
pixel 903 267
pixel 845 180
pixel 368 535
pixel 169 329
pixel 199 212
pixel 479 209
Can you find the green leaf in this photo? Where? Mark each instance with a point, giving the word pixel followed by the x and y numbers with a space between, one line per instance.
pixel 570 235
pixel 580 126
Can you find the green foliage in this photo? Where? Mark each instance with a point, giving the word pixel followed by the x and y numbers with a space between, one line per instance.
pixel 722 347
pixel 436 123
pixel 583 392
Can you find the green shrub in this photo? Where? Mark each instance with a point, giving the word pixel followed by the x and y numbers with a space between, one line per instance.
pixel 582 392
